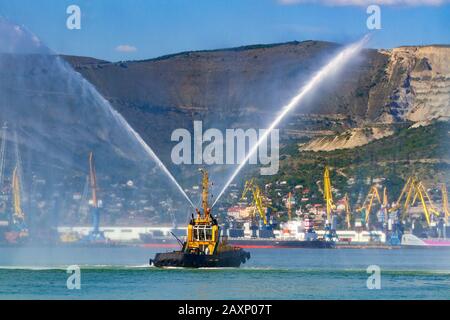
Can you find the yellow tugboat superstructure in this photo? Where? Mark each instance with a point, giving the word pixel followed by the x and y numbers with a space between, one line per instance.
pixel 203 230
pixel 203 247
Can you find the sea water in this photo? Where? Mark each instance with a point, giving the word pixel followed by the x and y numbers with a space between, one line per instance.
pixel 123 273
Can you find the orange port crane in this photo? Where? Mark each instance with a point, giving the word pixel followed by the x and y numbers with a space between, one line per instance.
pixel 93 180
pixel 368 203
pixel 95 203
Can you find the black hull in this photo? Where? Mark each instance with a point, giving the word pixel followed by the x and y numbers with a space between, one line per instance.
pixel 231 259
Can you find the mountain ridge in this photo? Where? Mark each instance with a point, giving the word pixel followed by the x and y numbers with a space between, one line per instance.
pixel 240 86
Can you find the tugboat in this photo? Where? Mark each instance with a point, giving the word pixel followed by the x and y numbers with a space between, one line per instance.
pixel 202 248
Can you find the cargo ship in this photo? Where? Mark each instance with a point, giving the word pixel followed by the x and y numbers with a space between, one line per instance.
pixel 261 239
pixel 412 241
pixel 203 247
pixel 265 239
pixel 261 243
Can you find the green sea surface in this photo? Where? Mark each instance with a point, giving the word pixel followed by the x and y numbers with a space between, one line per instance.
pixel 124 273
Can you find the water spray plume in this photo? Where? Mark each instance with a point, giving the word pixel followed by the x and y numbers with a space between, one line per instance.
pixel 15 39
pixel 149 151
pixel 335 64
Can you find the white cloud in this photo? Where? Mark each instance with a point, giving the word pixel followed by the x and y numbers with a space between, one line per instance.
pixel 126 48
pixel 368 2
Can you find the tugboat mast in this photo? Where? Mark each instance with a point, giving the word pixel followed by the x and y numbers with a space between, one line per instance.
pixel 205 193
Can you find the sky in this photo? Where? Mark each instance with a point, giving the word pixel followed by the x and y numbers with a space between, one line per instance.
pixel 140 29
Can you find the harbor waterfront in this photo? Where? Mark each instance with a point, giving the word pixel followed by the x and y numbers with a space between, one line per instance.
pixel 293 150
pixel 123 273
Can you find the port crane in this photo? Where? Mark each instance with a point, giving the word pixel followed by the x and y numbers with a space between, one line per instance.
pixel 83 209
pixel 328 197
pixel 385 205
pixel 18 213
pixel 18 230
pixel 327 194
pixel 259 202
pixel 2 155
pixel 289 205
pixel 18 216
pixel 348 212
pixel 411 192
pixel 3 202
pixel 445 202
pixel 372 197
pixel 94 202
pixel 425 197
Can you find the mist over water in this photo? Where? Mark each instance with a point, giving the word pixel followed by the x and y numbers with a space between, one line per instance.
pixel 150 152
pixel 58 118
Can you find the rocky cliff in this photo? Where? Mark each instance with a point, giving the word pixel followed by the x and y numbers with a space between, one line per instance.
pixel 419 82
pixel 246 86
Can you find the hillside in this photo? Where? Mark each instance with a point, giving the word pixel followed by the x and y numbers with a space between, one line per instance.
pixel 245 86
pixel 383 117
pixel 378 119
pixel 241 87
pixel 422 151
